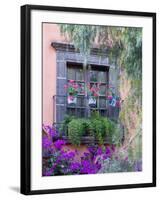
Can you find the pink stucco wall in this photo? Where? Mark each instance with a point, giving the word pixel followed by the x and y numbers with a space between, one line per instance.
pixel 51 33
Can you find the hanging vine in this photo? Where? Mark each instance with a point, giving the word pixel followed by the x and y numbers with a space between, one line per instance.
pixel 125 51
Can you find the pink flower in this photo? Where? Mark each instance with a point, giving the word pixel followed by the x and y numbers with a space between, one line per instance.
pixel 71 81
pixel 109 97
pixel 95 94
pixel 75 86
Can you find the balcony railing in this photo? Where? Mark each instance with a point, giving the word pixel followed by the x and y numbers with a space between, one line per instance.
pixel 80 108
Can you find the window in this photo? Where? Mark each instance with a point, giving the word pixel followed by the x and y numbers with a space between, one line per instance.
pixel 93 79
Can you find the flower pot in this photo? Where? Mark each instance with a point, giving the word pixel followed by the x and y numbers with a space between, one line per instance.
pixel 71 99
pixel 92 102
pixel 113 102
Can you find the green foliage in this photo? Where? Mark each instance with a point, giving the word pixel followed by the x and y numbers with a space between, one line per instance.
pixel 96 126
pixel 99 130
pixel 124 44
pixel 76 129
pixel 89 129
pixel 103 127
pixel 65 122
pixel 132 40
pixel 82 36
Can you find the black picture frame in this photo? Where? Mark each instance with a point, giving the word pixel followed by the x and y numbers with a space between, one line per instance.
pixel 26 98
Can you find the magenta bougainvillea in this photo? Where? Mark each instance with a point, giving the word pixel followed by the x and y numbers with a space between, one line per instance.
pixel 59 160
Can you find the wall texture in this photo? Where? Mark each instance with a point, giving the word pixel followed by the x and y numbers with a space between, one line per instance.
pixel 50 33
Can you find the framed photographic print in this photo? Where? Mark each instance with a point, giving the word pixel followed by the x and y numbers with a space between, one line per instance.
pixel 88 99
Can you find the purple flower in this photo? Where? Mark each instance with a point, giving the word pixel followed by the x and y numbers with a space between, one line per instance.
pixel 86 154
pixel 92 149
pixel 88 167
pixel 98 165
pixel 59 143
pixel 75 166
pixel 67 155
pixel 46 142
pixel 99 151
pixel 108 151
pixel 50 130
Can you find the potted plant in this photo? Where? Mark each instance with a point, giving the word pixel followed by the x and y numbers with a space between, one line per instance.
pixel 93 93
pixel 72 92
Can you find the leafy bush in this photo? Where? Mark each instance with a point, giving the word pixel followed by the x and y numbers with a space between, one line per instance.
pixel 76 129
pixel 99 130
pixel 65 122
pixel 103 127
pixel 96 126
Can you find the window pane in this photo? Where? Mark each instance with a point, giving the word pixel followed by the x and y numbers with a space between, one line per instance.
pixel 79 75
pixel 102 77
pixel 93 76
pixel 71 73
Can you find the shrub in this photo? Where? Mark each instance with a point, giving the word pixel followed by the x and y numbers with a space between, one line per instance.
pixel 103 127
pixel 99 130
pixel 97 126
pixel 65 122
pixel 76 129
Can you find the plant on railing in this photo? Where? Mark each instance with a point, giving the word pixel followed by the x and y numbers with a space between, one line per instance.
pixel 93 93
pixel 103 127
pixel 72 89
pixel 112 99
pixel 76 129
pixel 65 122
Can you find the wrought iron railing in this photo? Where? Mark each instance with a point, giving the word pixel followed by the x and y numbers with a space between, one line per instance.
pixel 80 108
pixel 80 105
